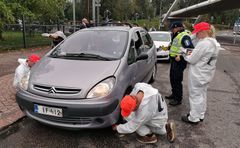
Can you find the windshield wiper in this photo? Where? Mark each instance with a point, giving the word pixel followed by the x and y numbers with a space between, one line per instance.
pixel 56 53
pixel 85 55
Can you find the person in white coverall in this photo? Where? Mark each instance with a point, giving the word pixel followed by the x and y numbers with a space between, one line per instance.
pixel 56 37
pixel 22 72
pixel 202 64
pixel 146 113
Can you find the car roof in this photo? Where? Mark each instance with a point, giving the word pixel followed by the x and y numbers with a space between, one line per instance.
pixel 111 28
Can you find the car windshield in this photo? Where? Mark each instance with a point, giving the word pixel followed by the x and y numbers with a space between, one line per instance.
pixel 163 37
pixel 92 44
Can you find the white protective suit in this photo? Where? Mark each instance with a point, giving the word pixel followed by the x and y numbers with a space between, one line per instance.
pixel 22 73
pixel 201 71
pixel 146 119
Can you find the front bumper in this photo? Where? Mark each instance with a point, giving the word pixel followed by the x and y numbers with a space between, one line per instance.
pixel 77 114
pixel 162 55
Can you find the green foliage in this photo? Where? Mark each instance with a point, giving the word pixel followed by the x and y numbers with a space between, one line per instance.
pixel 6 16
pixel 45 11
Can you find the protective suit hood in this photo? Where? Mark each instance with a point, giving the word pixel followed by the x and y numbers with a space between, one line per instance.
pixel 147 92
pixel 22 61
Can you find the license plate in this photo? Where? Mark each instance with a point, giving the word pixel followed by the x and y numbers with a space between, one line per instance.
pixel 45 110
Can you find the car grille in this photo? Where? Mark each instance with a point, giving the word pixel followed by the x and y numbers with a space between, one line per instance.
pixel 80 120
pixel 56 90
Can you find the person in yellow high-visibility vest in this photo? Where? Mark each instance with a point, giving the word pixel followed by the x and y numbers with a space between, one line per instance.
pixel 180 38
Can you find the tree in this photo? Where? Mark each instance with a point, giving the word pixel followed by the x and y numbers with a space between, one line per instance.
pixel 5 15
pixel 47 11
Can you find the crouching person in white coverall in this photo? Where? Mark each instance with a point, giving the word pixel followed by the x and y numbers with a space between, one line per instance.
pixel 146 114
pixel 22 72
pixel 202 64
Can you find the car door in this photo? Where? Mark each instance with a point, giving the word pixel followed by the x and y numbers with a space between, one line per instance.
pixel 140 49
pixel 132 68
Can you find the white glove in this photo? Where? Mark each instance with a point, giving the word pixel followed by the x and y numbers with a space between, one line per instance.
pixel 183 50
pixel 45 34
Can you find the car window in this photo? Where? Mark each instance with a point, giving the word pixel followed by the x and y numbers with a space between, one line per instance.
pixel 163 37
pixel 110 44
pixel 138 42
pixel 147 40
pixel 131 56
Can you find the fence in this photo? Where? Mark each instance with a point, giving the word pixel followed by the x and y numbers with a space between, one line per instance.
pixel 17 36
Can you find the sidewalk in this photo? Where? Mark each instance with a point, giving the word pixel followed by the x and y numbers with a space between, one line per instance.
pixel 9 110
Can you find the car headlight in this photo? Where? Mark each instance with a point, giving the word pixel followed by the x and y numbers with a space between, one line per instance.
pixel 102 89
pixel 24 82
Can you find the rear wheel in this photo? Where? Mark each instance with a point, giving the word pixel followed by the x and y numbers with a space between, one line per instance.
pixel 154 73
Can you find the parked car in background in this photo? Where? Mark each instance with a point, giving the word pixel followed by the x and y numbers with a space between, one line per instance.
pixel 80 82
pixel 162 41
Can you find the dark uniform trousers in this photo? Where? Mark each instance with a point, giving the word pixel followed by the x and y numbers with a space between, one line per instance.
pixel 176 77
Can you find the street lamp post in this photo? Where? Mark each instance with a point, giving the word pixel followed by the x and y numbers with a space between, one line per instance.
pixel 93 10
pixel 74 18
pixel 95 3
pixel 160 15
pixel 98 5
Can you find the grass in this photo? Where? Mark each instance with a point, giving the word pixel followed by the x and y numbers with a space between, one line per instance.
pixel 14 41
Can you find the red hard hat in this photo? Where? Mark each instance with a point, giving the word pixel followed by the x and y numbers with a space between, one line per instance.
pixel 128 104
pixel 201 27
pixel 34 58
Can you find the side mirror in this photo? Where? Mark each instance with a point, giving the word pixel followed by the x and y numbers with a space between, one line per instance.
pixel 143 56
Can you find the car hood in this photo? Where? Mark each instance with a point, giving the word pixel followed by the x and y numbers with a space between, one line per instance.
pixel 158 43
pixel 82 74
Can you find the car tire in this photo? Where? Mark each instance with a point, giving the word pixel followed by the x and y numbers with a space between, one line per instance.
pixel 121 120
pixel 154 73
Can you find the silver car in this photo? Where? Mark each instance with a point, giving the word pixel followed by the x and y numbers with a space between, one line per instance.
pixel 80 82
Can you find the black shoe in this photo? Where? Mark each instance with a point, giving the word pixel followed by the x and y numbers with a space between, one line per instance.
pixel 169 97
pixel 185 119
pixel 175 103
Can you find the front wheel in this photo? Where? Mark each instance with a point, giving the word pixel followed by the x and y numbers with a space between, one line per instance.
pixel 154 74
